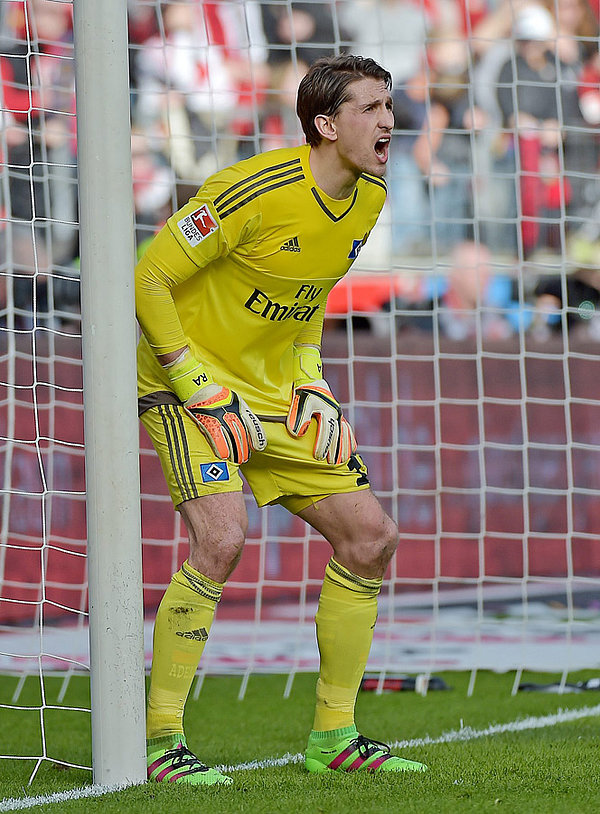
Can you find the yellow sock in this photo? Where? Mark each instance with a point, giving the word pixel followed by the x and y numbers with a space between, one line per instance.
pixel 181 629
pixel 345 621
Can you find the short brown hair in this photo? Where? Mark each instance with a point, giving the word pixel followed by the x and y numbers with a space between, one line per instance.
pixel 324 89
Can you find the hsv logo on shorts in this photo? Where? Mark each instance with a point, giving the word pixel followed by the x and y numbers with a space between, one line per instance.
pixel 216 471
pixel 197 225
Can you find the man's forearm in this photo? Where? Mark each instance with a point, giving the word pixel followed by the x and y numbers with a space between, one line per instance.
pixel 168 358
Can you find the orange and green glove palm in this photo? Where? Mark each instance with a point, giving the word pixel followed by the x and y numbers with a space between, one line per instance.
pixel 312 398
pixel 226 421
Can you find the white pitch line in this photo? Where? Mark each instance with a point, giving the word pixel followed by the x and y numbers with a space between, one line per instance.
pixel 21 803
pixel 465 733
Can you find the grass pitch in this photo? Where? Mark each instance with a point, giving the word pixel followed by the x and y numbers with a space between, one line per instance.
pixel 548 770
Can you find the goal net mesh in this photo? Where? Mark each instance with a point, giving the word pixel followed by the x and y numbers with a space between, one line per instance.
pixel 463 344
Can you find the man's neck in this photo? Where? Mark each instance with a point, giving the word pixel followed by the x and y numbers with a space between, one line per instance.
pixel 331 176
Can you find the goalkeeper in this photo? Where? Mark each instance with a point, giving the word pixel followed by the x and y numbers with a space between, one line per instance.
pixel 230 298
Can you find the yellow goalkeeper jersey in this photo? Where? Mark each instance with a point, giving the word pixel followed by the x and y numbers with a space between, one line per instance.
pixel 242 272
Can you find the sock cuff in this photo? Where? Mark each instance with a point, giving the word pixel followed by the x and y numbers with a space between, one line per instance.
pixel 345 578
pixel 165 740
pixel 333 735
pixel 202 585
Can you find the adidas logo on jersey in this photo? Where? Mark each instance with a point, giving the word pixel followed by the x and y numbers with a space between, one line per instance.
pixel 291 245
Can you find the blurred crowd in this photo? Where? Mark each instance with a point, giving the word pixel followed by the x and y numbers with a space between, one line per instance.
pixel 495 154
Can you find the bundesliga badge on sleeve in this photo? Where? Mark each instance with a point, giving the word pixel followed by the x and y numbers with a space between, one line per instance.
pixel 198 225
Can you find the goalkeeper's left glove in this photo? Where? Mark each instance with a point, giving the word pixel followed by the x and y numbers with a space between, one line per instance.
pixel 312 398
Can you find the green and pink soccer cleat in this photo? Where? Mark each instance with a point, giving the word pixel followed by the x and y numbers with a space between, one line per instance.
pixel 344 750
pixel 170 761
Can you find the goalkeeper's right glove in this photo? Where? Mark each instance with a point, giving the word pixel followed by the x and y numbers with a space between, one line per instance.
pixel 228 424
pixel 312 398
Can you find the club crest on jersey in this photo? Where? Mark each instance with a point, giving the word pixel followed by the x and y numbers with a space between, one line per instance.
pixel 213 472
pixel 198 225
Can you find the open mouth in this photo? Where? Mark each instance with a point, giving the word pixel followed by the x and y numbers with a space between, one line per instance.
pixel 382 146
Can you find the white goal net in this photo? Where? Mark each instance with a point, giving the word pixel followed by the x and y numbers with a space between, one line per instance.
pixel 463 344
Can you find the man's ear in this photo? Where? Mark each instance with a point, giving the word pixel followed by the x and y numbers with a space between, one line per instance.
pixel 326 127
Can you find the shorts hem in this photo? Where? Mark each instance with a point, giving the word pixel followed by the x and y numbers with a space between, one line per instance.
pixel 221 490
pixel 297 503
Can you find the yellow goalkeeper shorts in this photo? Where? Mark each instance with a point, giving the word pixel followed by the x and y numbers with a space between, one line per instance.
pixel 285 472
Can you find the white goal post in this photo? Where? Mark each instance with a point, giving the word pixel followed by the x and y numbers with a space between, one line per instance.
pixel 109 392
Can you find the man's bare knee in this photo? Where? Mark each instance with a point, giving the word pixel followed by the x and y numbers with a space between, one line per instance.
pixel 361 533
pixel 216 527
pixel 371 556
pixel 388 539
pixel 217 557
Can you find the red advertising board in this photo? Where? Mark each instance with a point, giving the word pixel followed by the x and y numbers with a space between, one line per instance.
pixel 489 461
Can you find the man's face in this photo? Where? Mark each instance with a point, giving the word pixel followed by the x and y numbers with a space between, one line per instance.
pixel 364 125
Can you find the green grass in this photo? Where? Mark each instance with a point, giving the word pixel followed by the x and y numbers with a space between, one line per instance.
pixel 544 771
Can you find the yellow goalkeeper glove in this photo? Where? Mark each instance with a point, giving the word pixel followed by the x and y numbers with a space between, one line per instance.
pixel 228 424
pixel 312 398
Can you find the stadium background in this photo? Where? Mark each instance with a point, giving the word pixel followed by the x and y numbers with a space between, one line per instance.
pixel 463 345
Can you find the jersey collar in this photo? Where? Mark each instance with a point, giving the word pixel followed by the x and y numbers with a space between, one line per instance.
pixel 334 208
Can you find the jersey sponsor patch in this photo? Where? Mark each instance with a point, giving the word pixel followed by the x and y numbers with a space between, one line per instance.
pixel 213 472
pixel 355 250
pixel 198 225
